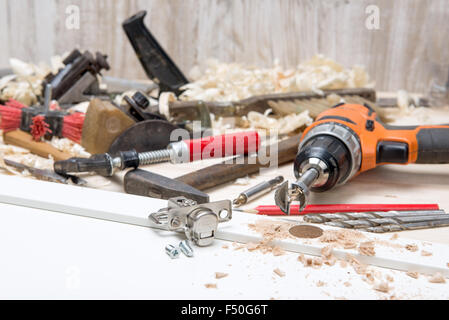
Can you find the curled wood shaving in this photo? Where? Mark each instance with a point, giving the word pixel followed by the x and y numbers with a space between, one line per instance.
pixel 411 247
pixel 282 125
pixel 382 287
pixel 426 253
pixel 413 274
pixel 232 82
pixel 367 248
pixel 220 275
pixel 279 272
pixel 437 278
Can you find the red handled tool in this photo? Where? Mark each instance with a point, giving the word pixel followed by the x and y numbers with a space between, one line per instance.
pixel 177 152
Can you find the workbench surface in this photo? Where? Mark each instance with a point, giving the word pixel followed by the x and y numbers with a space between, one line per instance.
pixel 53 255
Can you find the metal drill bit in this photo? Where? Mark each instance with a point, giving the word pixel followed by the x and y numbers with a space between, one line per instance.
pixel 257 191
pixel 327 217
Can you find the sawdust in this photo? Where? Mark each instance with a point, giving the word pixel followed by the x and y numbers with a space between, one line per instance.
pixel 320 283
pixel 367 248
pixel 386 243
pixel 220 275
pixel 411 247
pixel 413 274
pixel 343 264
pixel 270 231
pixel 425 253
pixel 225 246
pixel 347 239
pixel 279 272
pixel 358 267
pixel 326 251
pixel 211 285
pixel 389 278
pixel 347 284
pixel 437 278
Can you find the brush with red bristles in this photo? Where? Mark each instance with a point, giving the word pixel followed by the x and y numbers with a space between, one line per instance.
pixel 40 121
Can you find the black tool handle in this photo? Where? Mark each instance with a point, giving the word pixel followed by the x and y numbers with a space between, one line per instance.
pixel 433 145
pixel 155 61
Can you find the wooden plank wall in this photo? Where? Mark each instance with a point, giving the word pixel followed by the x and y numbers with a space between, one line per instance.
pixel 409 49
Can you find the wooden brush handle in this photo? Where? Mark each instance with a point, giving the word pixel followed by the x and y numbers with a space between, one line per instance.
pixel 221 173
pixel 25 140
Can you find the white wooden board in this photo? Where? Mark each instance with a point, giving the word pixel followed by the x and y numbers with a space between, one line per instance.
pixel 131 209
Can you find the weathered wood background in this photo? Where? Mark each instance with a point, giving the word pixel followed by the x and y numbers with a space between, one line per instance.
pixel 409 49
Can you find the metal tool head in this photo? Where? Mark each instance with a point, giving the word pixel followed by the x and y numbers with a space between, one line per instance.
pixel 149 184
pixel 149 135
pixel 284 196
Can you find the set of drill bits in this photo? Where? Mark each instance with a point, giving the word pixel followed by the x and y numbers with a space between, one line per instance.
pixel 381 222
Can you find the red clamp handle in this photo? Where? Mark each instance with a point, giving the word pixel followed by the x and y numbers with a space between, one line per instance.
pixel 223 145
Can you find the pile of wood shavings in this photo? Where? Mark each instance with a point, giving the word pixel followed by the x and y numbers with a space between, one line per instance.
pixel 233 81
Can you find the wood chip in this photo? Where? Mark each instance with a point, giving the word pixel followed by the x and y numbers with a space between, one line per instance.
pixel 347 284
pixel 220 275
pixel 426 253
pixel 320 283
pixel 411 247
pixel 389 278
pixel 279 272
pixel 437 278
pixel 327 251
pixel 382 287
pixel 394 237
pixel 211 286
pixel 225 246
pixel 367 248
pixel 413 274
pixel 278 251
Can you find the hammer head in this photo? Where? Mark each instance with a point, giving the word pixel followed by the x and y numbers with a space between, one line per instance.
pixel 149 184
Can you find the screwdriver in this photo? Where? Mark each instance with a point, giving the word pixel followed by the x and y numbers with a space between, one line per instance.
pixel 183 151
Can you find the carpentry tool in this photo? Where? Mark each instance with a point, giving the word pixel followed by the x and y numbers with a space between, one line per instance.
pixel 349 139
pixel 155 61
pixel 44 174
pixel 149 184
pixel 257 191
pixel 281 103
pixel 78 79
pixel 317 209
pixel 103 123
pixel 177 152
pixel 398 222
pixel 329 217
pixel 25 140
pixel 198 221
pixel 225 172
pixel 40 121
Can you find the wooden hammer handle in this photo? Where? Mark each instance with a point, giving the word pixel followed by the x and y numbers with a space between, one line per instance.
pixel 221 173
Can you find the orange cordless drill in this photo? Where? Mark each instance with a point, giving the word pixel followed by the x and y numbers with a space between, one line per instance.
pixel 349 139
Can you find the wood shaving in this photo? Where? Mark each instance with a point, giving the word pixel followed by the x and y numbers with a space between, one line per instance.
pixel 320 283
pixel 233 81
pixel 437 278
pixel 347 284
pixel 359 267
pixel 367 248
pixel 389 278
pixel 270 231
pixel 382 287
pixel 279 272
pixel 413 274
pixel 282 125
pixel 347 239
pixel 343 264
pixel 211 285
pixel 278 251
pixel 411 247
pixel 225 246
pixel 220 275
pixel 326 251
pixel 394 236
pixel 426 253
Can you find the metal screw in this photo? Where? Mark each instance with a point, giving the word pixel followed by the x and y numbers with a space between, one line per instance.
pixel 185 248
pixel 172 251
